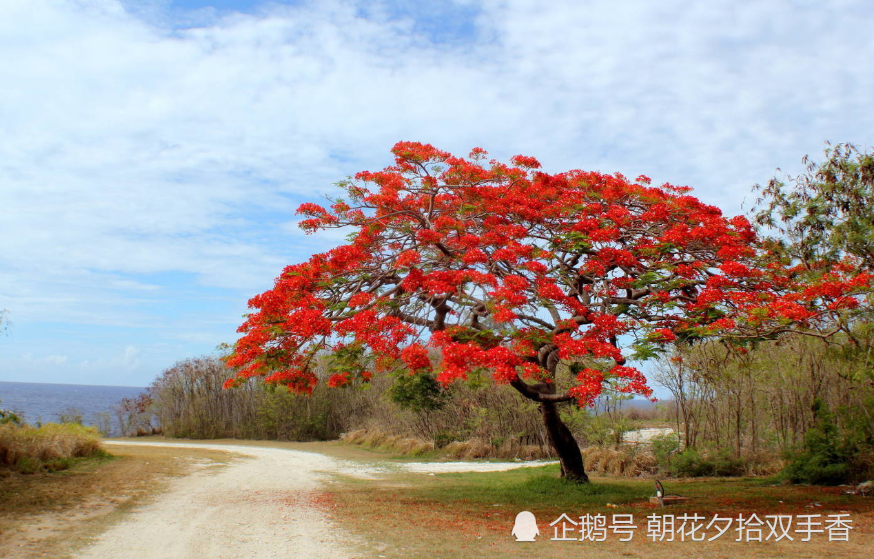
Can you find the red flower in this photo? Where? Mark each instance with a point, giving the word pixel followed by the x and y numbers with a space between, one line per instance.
pixel 408 258
pixel 465 265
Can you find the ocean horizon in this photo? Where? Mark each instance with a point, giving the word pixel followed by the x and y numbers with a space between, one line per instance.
pixel 39 403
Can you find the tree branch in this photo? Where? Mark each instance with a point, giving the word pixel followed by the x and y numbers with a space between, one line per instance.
pixel 532 392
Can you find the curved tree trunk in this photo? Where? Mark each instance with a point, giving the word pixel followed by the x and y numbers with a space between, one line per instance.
pixel 560 437
pixel 564 444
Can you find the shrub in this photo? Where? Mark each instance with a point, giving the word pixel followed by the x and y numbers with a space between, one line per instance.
pixel 825 459
pixel 418 392
pixel 72 415
pixel 7 416
pixel 817 470
pixel 49 447
pixel 664 447
pixel 445 438
pixel 690 463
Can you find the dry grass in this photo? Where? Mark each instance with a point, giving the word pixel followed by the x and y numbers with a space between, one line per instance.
pixel 355 437
pixel 765 465
pixel 469 450
pixel 645 463
pixel 472 449
pixel 626 462
pixel 50 447
pixel 413 447
pixel 379 440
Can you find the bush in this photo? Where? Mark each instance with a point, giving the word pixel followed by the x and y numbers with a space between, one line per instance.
pixel 7 416
pixel 825 459
pixel 49 447
pixel 690 463
pixel 72 415
pixel 445 438
pixel 418 392
pixel 816 470
pixel 664 448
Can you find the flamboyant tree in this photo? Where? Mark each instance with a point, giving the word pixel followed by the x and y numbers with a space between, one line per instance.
pixel 458 266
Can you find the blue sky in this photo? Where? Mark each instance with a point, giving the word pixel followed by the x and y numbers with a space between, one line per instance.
pixel 153 152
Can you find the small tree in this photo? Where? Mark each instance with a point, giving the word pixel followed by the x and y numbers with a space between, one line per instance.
pixel 825 213
pixel 823 221
pixel 135 416
pixel 460 267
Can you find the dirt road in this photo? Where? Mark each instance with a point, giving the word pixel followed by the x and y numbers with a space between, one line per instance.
pixel 259 505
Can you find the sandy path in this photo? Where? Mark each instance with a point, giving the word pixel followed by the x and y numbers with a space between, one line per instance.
pixel 258 506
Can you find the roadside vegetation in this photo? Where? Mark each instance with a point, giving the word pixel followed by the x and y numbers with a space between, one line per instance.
pixel 795 405
pixel 50 447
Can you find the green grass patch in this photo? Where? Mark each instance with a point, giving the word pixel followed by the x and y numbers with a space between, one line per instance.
pixel 527 487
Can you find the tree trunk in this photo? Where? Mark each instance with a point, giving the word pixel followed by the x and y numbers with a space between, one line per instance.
pixel 560 437
pixel 564 443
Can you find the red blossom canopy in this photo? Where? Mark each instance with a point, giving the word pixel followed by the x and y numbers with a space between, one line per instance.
pixel 458 265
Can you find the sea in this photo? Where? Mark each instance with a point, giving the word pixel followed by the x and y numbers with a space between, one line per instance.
pixel 38 403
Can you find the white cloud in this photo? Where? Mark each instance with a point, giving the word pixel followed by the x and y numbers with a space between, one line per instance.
pixel 49 360
pixel 127 360
pixel 133 146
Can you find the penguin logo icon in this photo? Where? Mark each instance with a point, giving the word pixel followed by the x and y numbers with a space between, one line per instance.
pixel 525 528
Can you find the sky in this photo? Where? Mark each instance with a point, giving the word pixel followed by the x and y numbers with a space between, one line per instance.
pixel 153 152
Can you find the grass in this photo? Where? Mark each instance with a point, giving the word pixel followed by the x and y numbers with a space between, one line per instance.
pixel 380 441
pixel 472 514
pixel 51 447
pixel 524 486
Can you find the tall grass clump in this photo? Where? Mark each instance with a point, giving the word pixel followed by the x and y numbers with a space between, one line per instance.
pixel 51 447
pixel 620 462
pixel 378 440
